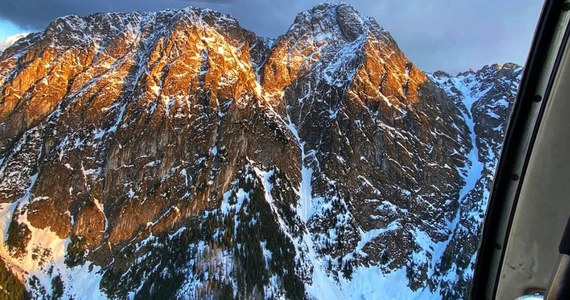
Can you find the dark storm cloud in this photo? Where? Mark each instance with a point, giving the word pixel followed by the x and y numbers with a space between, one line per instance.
pixel 438 34
pixel 35 15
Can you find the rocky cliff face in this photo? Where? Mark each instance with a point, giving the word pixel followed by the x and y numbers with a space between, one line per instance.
pixel 376 139
pixel 486 98
pixel 178 154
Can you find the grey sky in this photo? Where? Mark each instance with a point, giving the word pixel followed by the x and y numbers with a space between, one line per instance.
pixel 451 35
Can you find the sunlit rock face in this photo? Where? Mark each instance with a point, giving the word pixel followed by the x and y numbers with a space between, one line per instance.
pixel 178 154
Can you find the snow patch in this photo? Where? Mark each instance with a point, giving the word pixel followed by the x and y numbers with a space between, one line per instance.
pixel 9 41
pixel 44 259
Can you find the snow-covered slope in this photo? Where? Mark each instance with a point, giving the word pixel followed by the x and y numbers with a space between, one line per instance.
pixel 486 98
pixel 178 154
pixel 9 41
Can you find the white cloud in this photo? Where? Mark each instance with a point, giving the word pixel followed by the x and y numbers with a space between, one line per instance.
pixel 11 40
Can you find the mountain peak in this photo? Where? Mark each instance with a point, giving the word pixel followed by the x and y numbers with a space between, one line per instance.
pixel 511 65
pixel 327 17
pixel 498 67
pixel 116 23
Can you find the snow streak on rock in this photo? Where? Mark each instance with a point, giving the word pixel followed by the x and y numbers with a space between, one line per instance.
pixel 486 98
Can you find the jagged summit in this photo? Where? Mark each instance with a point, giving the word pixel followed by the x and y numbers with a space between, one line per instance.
pixel 198 14
pixel 335 21
pixel 508 66
pixel 503 69
pixel 342 49
pixel 327 17
pixel 104 25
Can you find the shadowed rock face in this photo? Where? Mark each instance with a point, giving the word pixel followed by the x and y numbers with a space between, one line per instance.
pixel 175 153
pixel 486 98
